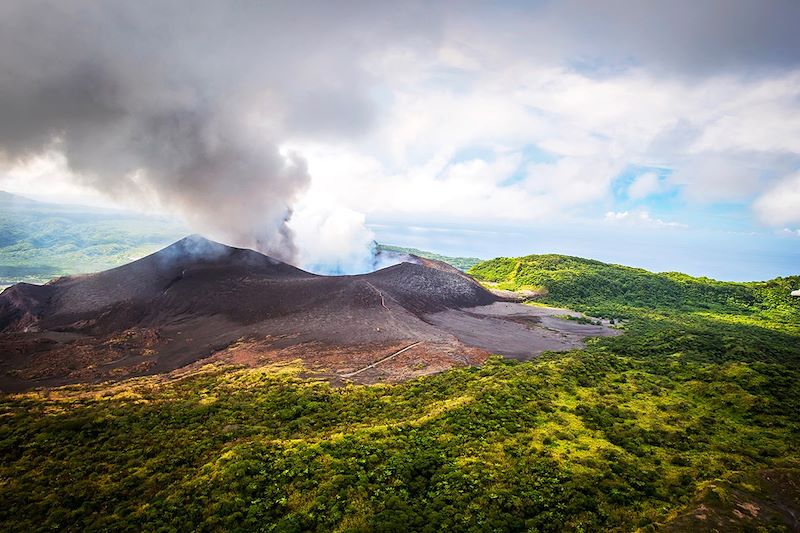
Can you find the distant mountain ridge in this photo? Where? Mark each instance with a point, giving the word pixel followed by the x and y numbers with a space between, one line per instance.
pixel 40 240
pixel 7 198
pixel 461 263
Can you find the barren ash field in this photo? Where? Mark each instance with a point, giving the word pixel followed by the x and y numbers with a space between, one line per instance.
pixel 198 302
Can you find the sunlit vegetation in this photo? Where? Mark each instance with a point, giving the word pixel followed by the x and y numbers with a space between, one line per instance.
pixel 698 397
pixel 608 290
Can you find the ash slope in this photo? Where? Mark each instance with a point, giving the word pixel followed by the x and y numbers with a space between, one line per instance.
pixel 196 298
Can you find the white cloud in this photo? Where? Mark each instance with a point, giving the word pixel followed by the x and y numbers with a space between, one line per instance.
pixel 640 217
pixel 572 180
pixel 434 189
pixel 644 185
pixel 756 119
pixel 716 177
pixel 593 128
pixel 781 203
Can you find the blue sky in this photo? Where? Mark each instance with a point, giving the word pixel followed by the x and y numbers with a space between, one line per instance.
pixel 664 135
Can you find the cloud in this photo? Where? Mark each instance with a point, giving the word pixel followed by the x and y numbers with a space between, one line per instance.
pixel 716 177
pixel 683 36
pixel 188 105
pixel 640 218
pixel 437 189
pixel 780 204
pixel 46 177
pixel 592 128
pixel 644 185
pixel 242 115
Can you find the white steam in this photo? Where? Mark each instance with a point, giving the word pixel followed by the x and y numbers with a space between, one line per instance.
pixel 335 241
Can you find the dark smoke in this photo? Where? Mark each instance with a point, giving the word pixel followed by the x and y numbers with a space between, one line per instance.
pixel 188 104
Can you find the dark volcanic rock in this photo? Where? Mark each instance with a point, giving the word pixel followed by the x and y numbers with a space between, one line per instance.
pixel 429 287
pixel 21 305
pixel 200 296
pixel 194 276
pixel 197 277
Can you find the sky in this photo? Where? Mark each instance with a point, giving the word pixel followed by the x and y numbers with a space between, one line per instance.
pixel 664 135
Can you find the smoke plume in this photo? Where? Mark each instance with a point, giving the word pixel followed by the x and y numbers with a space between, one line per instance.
pixel 186 105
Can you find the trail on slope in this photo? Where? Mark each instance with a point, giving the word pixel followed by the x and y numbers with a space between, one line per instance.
pixel 376 363
pixel 383 302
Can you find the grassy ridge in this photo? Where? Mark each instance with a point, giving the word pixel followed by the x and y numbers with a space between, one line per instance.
pixel 609 289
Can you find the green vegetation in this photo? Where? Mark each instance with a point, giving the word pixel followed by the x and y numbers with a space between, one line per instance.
pixel 696 403
pixel 588 440
pixel 614 290
pixel 461 263
pixel 40 241
pixel 579 319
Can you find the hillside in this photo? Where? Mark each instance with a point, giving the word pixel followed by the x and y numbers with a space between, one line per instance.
pixel 686 422
pixel 609 289
pixel 40 241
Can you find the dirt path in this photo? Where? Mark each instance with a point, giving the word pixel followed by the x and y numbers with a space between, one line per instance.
pixel 383 302
pixel 379 361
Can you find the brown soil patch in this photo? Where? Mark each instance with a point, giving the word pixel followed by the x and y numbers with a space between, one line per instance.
pixel 333 361
pixel 774 505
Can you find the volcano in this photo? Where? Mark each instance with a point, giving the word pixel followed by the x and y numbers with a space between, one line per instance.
pixel 199 301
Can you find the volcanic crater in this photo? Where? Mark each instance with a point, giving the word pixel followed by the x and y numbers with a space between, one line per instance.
pixel 198 301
